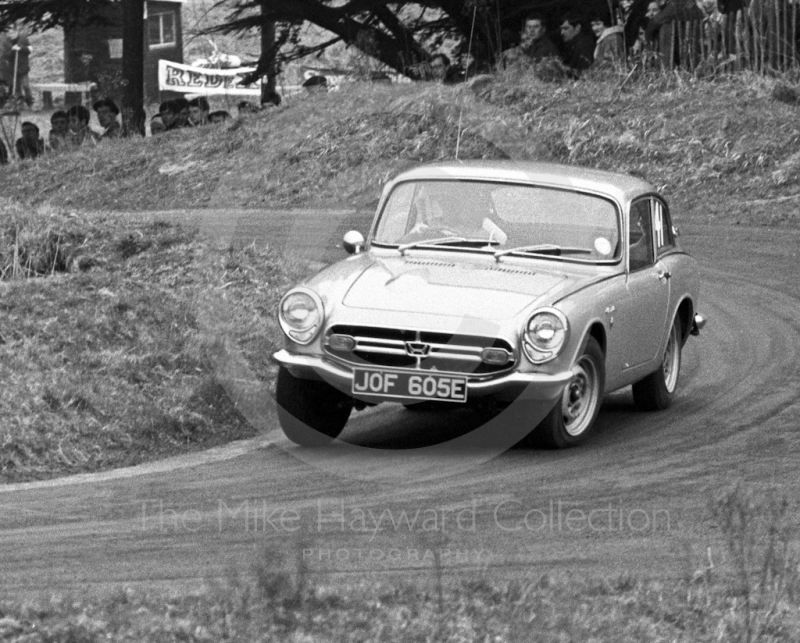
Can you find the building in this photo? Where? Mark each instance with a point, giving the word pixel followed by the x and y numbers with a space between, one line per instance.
pixel 93 50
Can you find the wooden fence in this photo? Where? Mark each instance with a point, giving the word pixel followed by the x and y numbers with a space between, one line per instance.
pixel 762 38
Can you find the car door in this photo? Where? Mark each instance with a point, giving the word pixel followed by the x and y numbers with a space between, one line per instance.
pixel 641 317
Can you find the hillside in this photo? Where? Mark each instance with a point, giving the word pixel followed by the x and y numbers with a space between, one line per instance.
pixel 680 134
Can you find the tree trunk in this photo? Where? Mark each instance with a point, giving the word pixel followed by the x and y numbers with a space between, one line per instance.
pixel 268 53
pixel 133 44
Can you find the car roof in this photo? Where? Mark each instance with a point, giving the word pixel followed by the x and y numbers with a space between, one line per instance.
pixel 623 187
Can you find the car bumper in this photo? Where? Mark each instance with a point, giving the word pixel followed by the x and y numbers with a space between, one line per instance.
pixel 539 387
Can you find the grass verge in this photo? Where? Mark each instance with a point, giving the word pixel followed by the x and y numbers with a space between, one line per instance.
pixel 270 603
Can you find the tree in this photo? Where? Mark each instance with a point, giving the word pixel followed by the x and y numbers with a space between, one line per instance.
pixel 40 15
pixel 402 35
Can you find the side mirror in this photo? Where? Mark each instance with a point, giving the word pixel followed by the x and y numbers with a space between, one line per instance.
pixel 353 242
pixel 675 232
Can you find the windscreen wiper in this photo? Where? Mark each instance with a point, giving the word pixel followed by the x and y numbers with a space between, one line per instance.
pixel 542 249
pixel 447 241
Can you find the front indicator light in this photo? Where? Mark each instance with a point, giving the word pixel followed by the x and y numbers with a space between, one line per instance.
pixel 342 342
pixel 495 356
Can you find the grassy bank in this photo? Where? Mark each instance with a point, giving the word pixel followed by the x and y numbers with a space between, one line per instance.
pixel 737 135
pixel 103 359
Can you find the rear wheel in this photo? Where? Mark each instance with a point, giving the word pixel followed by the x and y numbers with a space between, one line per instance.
pixel 656 391
pixel 572 418
pixel 311 413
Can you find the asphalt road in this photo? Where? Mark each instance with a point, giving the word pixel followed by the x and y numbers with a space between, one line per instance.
pixel 390 506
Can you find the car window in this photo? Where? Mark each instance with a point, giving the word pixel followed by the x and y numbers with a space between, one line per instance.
pixel 508 216
pixel 664 238
pixel 640 235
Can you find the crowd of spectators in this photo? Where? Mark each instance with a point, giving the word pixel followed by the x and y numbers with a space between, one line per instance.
pixel 71 129
pixel 638 31
pixel 573 44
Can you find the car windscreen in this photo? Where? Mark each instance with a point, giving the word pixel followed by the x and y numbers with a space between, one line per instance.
pixel 505 215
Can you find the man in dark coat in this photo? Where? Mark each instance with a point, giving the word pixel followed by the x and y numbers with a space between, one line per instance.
pixel 578 44
pixel 30 145
pixel 534 41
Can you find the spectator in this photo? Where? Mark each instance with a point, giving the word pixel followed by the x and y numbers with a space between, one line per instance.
pixel 15 54
pixel 442 71
pixel 660 27
pixel 652 10
pixel 79 130
pixel 578 44
pixel 30 145
pixel 315 84
pixel 181 111
pixel 609 51
pixel 107 112
pixel 674 10
pixel 246 107
pixel 198 111
pixel 219 116
pixel 165 120
pixel 59 131
pixel 535 44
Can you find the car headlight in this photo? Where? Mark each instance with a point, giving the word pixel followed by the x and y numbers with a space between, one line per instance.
pixel 301 314
pixel 545 335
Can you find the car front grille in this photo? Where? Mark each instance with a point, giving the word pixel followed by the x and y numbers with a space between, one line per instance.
pixel 388 347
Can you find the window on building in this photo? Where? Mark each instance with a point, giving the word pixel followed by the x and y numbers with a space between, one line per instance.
pixel 161 29
pixel 115 48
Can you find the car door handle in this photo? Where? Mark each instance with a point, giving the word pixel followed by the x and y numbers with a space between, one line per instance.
pixel 664 274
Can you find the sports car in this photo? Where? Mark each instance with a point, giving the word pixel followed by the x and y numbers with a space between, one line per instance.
pixel 494 283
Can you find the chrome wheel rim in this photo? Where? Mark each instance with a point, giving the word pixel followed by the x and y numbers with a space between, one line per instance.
pixel 672 361
pixel 580 398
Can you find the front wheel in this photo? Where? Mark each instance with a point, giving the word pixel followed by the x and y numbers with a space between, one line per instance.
pixel 572 418
pixel 311 413
pixel 656 391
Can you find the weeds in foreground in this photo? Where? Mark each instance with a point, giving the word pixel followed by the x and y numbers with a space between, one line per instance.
pixel 764 566
pixel 282 599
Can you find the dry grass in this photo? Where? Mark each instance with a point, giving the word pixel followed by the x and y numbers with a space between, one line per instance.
pixel 102 358
pixel 547 609
pixel 679 132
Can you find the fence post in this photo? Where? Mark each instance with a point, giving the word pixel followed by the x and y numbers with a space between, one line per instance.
pixel 793 44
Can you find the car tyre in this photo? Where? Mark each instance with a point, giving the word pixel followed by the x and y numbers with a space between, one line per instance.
pixel 656 391
pixel 311 413
pixel 572 418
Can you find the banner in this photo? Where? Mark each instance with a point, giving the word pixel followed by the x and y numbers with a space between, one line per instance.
pixel 176 77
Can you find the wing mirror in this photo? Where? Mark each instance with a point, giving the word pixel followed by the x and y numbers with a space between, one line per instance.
pixel 353 242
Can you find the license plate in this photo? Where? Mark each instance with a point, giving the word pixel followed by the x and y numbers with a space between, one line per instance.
pixel 402 384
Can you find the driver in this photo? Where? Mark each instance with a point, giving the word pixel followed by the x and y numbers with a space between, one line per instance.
pixel 455 209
